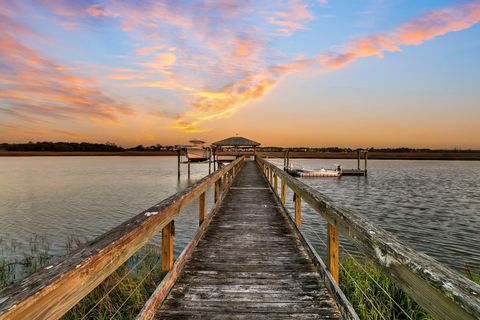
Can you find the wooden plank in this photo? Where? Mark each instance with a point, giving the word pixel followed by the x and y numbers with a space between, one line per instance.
pixel 332 244
pixel 52 291
pixel 444 293
pixel 229 272
pixel 161 292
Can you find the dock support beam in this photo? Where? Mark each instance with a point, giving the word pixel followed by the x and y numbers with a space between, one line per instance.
pixel 283 192
pixel 201 209
pixel 275 182
pixel 188 169
pixel 333 251
pixel 178 163
pixel 168 233
pixel 358 159
pixel 298 210
pixel 366 162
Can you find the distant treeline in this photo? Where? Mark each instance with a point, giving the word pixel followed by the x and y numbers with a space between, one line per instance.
pixel 78 147
pixel 111 147
pixel 386 150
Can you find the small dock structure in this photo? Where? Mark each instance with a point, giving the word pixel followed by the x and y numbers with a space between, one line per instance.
pixel 317 173
pixel 229 149
pixel 248 259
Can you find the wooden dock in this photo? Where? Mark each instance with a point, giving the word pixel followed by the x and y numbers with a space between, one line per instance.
pixel 249 264
pixel 247 260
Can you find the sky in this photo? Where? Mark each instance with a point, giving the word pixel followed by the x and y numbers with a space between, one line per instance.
pixel 363 73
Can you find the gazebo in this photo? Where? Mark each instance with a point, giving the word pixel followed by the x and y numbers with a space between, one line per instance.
pixel 241 146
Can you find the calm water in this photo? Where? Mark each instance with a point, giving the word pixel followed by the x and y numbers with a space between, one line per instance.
pixel 433 205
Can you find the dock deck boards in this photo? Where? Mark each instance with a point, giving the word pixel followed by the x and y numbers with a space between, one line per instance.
pixel 249 264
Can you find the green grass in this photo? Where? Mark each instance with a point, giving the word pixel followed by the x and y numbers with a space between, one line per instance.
pixel 128 288
pixel 367 297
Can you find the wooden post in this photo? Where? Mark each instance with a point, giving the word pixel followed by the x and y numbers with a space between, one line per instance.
pixel 298 210
pixel 178 163
pixel 201 209
pixel 275 182
pixel 188 169
pixel 210 161
pixel 366 162
pixel 217 190
pixel 358 159
pixel 168 232
pixel 283 195
pixel 333 251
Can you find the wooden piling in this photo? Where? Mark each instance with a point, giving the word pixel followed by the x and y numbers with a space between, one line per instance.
pixel 366 156
pixel 283 192
pixel 178 163
pixel 275 182
pixel 168 233
pixel 358 159
pixel 201 209
pixel 333 251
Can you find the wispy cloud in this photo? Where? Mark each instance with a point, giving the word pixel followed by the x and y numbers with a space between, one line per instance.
pixel 414 32
pixel 34 87
pixel 293 18
pixel 213 56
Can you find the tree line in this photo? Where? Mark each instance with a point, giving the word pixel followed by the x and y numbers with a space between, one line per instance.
pixel 112 147
pixel 78 147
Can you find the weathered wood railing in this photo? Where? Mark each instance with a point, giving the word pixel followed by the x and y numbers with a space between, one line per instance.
pixel 51 292
pixel 439 290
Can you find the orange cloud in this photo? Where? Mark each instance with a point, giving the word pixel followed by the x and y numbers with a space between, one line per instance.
pixel 414 32
pixel 36 88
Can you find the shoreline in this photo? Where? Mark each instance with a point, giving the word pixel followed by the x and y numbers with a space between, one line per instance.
pixel 453 156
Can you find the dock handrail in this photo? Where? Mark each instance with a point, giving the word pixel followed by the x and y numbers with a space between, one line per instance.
pixel 52 291
pixel 442 292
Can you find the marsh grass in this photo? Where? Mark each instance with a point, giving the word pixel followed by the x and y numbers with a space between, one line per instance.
pixel 367 297
pixel 124 292
pixel 119 296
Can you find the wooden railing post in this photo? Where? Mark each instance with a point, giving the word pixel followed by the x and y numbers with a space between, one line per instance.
pixel 283 193
pixel 168 232
pixel 201 209
pixel 275 182
pixel 298 210
pixel 333 251
pixel 217 190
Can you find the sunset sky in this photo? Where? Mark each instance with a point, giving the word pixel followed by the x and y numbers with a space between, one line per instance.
pixel 286 73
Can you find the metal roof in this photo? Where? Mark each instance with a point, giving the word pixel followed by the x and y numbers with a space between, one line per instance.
pixel 236 141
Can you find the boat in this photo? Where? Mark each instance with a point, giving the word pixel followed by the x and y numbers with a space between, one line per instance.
pixel 197 153
pixel 337 172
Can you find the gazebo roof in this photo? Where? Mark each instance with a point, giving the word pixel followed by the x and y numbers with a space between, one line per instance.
pixel 236 141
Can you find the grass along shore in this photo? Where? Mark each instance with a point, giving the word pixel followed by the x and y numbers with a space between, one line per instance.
pixel 123 294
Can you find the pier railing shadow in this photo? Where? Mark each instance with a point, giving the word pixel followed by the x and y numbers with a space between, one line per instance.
pixel 442 292
pixel 54 290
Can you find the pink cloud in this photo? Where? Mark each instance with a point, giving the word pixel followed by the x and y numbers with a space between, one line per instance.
pixel 293 18
pixel 414 32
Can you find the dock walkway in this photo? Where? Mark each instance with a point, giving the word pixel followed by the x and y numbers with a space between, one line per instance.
pixel 249 264
pixel 247 260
